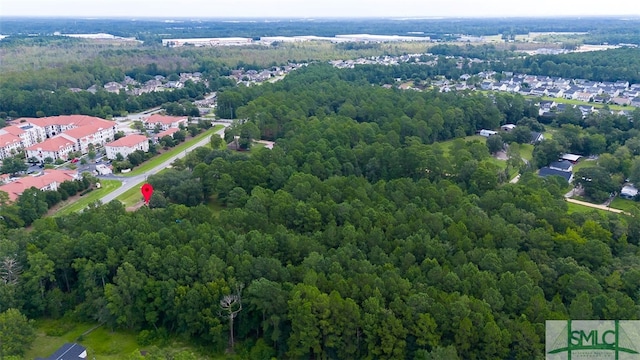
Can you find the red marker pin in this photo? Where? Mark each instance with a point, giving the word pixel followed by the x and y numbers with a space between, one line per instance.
pixel 147 191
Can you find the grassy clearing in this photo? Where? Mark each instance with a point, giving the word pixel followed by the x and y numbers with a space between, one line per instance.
pixel 101 343
pixel 526 151
pixel 131 196
pixel 257 146
pixel 577 208
pixel 624 204
pixel 578 102
pixel 151 163
pixel 446 145
pixel 107 186
pixel 584 164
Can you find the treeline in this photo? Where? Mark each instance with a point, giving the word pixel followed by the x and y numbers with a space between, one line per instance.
pixel 610 65
pixel 39 103
pixel 599 29
pixel 355 237
pixel 482 51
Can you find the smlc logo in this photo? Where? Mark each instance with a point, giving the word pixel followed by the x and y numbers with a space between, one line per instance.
pixel 592 339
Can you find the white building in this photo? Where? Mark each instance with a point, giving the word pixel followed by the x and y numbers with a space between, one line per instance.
pixel 54 148
pixel 16 137
pixel 9 145
pixel 126 145
pixel 165 122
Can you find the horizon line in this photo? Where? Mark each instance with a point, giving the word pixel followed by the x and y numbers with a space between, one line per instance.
pixel 425 17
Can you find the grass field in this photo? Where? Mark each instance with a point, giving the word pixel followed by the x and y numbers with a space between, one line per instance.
pixel 584 164
pixel 107 186
pixel 101 342
pixel 573 208
pixel 151 163
pixel 446 145
pixel 131 196
pixel 578 102
pixel 526 151
pixel 624 204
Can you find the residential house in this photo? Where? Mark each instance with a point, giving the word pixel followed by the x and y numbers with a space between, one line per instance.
pixel 586 110
pixel 628 192
pixel 536 137
pixel 573 158
pixel 126 145
pixel 562 165
pixel 113 87
pixel 487 133
pixel 165 122
pixel 69 351
pixel 583 96
pixel 635 102
pixel 555 92
pixel 49 180
pixel 547 171
pixel 55 148
pixel 621 101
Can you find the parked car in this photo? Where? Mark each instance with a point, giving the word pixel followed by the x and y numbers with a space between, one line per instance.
pixel 74 160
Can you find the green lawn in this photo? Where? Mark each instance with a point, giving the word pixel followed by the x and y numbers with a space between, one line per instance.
pixel 101 343
pixel 578 102
pixel 257 146
pixel 526 151
pixel 151 163
pixel 131 196
pixel 107 186
pixel 573 208
pixel 446 145
pixel 624 204
pixel 584 164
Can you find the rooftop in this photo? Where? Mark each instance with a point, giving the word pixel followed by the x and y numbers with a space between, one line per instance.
pixel 168 132
pixel 128 141
pixel 84 131
pixel 16 188
pixel 77 120
pixel 8 139
pixel 163 119
pixel 53 144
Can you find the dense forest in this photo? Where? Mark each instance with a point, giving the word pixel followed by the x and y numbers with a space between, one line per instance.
pixel 360 235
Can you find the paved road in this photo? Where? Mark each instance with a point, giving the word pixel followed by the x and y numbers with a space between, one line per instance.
pixel 129 182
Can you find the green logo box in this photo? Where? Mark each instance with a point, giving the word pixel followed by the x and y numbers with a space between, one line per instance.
pixel 592 339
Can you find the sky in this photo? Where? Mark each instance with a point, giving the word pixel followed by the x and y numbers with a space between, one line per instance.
pixel 315 8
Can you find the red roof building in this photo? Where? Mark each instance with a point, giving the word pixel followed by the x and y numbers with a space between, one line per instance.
pixel 126 145
pixel 165 122
pixel 56 148
pixel 50 180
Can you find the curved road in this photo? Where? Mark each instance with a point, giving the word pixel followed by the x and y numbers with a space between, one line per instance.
pixel 129 182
